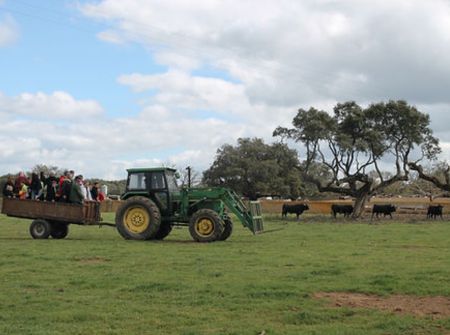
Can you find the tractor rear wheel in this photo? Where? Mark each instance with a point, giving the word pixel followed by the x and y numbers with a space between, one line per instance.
pixel 40 229
pixel 206 225
pixel 59 230
pixel 138 219
pixel 164 231
pixel 227 230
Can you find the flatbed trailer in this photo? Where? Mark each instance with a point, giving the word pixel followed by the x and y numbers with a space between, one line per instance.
pixel 52 218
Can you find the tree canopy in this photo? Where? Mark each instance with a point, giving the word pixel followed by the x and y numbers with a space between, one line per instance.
pixel 253 169
pixel 354 143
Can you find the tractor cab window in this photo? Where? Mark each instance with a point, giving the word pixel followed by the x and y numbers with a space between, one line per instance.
pixel 157 181
pixel 136 181
pixel 171 181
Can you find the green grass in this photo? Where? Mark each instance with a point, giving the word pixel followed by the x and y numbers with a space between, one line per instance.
pixel 94 282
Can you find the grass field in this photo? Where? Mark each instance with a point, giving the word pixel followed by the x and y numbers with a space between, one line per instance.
pixel 94 282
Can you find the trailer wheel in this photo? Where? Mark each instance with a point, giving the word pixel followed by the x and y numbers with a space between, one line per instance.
pixel 227 230
pixel 59 230
pixel 40 229
pixel 206 225
pixel 138 219
pixel 164 231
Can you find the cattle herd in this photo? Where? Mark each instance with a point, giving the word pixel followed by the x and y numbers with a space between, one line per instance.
pixel 432 213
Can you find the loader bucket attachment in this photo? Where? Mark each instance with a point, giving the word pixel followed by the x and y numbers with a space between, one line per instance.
pixel 256 213
pixel 250 216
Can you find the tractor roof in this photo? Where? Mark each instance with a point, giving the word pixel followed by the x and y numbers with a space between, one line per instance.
pixel 154 169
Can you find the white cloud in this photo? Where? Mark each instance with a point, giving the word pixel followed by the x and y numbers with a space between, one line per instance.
pixel 99 146
pixel 290 52
pixel 111 36
pixel 177 61
pixel 56 106
pixel 9 30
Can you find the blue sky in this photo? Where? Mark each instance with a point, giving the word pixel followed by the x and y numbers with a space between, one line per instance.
pixel 59 50
pixel 103 85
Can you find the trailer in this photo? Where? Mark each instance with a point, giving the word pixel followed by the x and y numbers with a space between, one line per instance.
pixel 52 218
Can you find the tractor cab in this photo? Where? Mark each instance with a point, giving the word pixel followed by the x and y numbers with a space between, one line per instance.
pixel 158 184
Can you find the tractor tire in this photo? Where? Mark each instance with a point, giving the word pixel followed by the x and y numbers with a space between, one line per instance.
pixel 40 229
pixel 206 225
pixel 164 231
pixel 59 230
pixel 138 219
pixel 227 230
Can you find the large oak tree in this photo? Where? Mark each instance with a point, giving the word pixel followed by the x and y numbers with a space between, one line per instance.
pixel 354 143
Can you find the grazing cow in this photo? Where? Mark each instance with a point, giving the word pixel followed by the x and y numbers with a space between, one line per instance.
pixel 434 211
pixel 383 209
pixel 295 209
pixel 342 209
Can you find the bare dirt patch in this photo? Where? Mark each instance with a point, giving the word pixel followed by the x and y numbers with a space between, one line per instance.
pixel 436 307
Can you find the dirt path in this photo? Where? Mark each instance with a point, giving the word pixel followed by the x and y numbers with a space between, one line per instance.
pixel 437 307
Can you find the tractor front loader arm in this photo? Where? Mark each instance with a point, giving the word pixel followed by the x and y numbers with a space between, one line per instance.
pixel 250 218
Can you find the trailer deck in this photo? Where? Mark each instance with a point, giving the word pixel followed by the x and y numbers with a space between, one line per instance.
pixel 52 218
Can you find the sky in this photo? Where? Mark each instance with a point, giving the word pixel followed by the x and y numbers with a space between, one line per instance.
pixel 101 86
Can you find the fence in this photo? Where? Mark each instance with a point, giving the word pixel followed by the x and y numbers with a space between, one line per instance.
pixel 404 205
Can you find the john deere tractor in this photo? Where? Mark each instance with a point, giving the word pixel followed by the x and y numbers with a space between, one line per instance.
pixel 153 204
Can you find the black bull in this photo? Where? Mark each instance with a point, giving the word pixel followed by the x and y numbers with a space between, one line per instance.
pixel 342 209
pixel 294 209
pixel 434 211
pixel 383 209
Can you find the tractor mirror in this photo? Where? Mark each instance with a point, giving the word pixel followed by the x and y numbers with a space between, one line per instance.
pixel 177 175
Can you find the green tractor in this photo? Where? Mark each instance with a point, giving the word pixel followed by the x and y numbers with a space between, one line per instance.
pixel 153 204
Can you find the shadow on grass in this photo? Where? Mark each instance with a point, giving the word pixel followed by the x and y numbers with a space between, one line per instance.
pixel 272 230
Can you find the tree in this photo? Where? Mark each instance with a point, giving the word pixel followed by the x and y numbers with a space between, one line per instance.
pixel 439 175
pixel 46 169
pixel 352 144
pixel 253 169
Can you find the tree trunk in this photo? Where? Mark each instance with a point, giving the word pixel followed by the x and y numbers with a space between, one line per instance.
pixel 360 205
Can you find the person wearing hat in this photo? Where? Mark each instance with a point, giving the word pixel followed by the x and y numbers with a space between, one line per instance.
pixel 76 195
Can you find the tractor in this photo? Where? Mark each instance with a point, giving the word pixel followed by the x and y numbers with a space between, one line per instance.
pixel 153 204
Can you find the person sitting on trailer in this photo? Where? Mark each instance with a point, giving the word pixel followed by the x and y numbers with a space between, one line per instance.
pixel 23 191
pixel 48 181
pixel 21 178
pixel 63 177
pixel 8 189
pixel 101 196
pixel 35 186
pixel 65 187
pixel 86 189
pixel 51 191
pixel 94 191
pixel 76 195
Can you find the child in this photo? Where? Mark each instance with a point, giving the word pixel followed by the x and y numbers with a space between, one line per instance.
pixel 23 191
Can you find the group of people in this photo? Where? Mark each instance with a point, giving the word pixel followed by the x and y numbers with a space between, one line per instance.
pixel 66 188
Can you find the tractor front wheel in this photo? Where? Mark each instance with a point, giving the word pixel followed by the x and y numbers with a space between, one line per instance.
pixel 206 225
pixel 138 219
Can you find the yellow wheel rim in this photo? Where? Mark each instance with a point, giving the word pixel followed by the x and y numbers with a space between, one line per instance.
pixel 136 219
pixel 204 227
